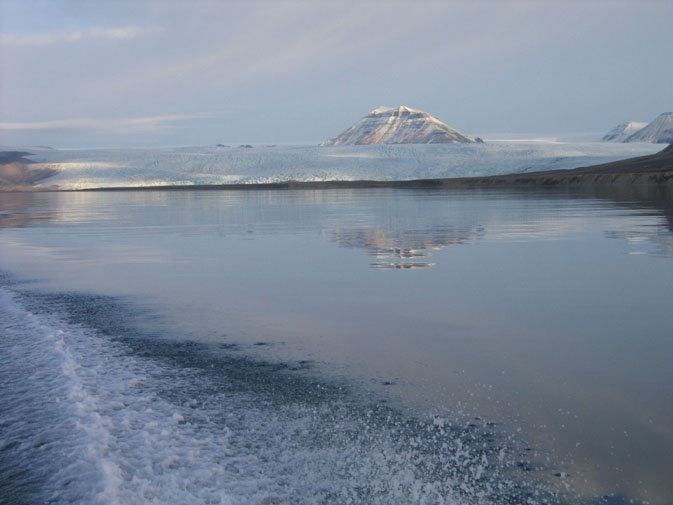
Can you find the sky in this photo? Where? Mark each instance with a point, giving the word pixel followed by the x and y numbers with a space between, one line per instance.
pixel 118 73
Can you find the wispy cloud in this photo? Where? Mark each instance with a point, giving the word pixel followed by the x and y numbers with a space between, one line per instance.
pixel 507 67
pixel 76 36
pixel 149 124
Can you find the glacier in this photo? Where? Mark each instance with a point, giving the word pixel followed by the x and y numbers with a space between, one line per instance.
pixel 215 165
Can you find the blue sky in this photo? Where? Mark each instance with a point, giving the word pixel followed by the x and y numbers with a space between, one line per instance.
pixel 77 73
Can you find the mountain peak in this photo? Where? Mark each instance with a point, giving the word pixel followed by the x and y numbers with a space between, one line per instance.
pixel 398 125
pixel 402 109
pixel 659 131
pixel 622 131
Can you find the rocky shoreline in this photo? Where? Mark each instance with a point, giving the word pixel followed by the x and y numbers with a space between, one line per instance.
pixel 16 173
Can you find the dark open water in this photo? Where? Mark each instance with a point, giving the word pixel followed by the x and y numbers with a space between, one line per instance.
pixel 337 346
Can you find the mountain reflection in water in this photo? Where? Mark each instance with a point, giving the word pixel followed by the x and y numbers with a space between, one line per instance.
pixel 401 249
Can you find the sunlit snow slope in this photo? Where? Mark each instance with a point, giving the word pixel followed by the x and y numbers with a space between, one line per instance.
pixel 659 131
pixel 622 131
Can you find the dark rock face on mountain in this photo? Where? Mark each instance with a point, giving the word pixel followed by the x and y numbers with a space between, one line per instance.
pixel 400 125
pixel 659 131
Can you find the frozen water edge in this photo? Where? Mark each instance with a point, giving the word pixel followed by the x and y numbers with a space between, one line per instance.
pixel 98 168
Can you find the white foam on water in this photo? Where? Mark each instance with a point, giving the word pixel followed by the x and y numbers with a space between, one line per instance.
pixel 94 421
pixel 126 440
pixel 39 411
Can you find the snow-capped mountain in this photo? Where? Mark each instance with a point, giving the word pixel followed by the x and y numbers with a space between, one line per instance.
pixel 659 131
pixel 401 125
pixel 622 131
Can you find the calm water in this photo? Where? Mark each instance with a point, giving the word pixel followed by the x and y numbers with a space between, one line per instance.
pixel 337 346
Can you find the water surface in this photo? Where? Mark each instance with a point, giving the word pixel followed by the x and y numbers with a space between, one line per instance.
pixel 305 330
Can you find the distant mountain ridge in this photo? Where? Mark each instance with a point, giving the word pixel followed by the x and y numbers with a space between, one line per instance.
pixel 399 125
pixel 659 131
